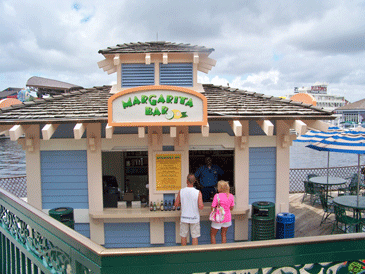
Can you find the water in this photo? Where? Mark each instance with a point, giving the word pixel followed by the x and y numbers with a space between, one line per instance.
pixel 12 158
pixel 304 157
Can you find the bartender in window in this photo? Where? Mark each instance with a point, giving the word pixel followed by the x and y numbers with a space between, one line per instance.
pixel 208 176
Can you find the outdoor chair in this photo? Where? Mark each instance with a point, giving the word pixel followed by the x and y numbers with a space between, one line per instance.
pixel 344 222
pixel 310 189
pixel 327 205
pixel 362 220
pixel 351 189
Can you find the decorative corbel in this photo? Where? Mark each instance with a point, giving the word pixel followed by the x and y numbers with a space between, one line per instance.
pixel 141 132
pixel 92 143
pixel 243 142
pixel 173 132
pixel 16 131
pixel 79 130
pixel 29 144
pixel 147 59
pixel 181 140
pixel 165 59
pixel 48 130
pixel 109 130
pixel 117 60
pixel 205 130
pixel 154 138
pixel 196 58
pixel 287 140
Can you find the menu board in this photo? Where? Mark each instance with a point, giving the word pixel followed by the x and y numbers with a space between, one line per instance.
pixel 168 172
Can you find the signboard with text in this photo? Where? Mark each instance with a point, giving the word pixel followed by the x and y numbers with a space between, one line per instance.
pixel 168 172
pixel 157 105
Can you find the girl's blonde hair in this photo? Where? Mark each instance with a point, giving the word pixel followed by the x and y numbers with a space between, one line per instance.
pixel 223 186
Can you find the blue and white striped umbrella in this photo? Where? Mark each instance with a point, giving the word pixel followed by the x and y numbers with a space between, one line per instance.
pixel 346 142
pixel 313 136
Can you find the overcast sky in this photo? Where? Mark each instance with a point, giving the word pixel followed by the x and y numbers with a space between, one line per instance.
pixel 268 47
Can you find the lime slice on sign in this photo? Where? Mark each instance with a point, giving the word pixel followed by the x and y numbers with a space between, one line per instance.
pixel 169 115
pixel 177 114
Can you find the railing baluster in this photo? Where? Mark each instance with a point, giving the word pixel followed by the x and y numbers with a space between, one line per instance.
pixel 3 253
pixel 23 263
pixel 8 256
pixel 29 266
pixel 17 260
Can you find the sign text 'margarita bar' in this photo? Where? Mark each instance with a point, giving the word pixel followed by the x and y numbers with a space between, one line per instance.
pixel 157 105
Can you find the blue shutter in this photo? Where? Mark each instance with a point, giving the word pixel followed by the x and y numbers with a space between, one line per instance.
pixel 64 179
pixel 262 185
pixel 177 74
pixel 134 75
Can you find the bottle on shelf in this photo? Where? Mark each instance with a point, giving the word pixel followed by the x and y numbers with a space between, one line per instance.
pixel 166 207
pixel 158 205
pixel 173 205
pixel 154 206
pixel 169 206
pixel 151 206
pixel 162 205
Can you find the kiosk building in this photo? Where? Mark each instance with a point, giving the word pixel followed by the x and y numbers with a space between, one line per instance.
pixel 106 151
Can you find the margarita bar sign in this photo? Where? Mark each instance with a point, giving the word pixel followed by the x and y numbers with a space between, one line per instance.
pixel 157 105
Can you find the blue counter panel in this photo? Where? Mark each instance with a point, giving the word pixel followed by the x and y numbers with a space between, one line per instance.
pixel 124 235
pixel 205 233
pixel 83 229
pixel 262 185
pixel 64 179
pixel 127 235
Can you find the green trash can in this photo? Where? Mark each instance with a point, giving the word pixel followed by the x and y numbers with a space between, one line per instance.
pixel 63 214
pixel 263 221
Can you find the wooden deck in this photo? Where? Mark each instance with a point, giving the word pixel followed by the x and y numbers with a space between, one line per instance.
pixel 308 217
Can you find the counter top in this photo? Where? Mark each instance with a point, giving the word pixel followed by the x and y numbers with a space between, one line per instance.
pixel 144 212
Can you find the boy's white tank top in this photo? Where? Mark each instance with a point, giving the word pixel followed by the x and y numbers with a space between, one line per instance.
pixel 189 205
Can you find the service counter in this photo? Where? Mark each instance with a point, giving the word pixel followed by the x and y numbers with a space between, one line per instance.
pixel 145 213
pixel 157 219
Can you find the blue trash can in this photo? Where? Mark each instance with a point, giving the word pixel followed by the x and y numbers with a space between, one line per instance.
pixel 285 223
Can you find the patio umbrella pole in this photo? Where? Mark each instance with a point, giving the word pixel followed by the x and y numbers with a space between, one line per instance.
pixel 328 164
pixel 358 178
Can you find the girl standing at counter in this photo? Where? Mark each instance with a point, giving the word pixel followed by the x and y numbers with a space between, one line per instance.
pixel 226 200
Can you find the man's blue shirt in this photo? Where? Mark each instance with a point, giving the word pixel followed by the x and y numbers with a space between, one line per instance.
pixel 208 176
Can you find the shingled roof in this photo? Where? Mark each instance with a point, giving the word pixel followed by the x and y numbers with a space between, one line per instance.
pixel 151 47
pixel 41 82
pixel 358 105
pixel 90 105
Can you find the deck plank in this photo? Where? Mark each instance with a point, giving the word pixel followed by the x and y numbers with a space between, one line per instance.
pixel 308 217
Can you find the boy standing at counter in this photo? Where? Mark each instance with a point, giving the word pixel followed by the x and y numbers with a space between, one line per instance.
pixel 191 201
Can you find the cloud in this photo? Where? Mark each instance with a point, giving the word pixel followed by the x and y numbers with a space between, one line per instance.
pixel 263 46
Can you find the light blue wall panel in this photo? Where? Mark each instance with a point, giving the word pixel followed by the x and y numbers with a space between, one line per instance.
pixel 64 179
pixel 83 229
pixel 134 75
pixel 170 234
pixel 179 74
pixel 124 235
pixel 262 184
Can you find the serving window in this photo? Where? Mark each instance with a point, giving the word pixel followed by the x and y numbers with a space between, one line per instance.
pixel 222 158
pixel 125 176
